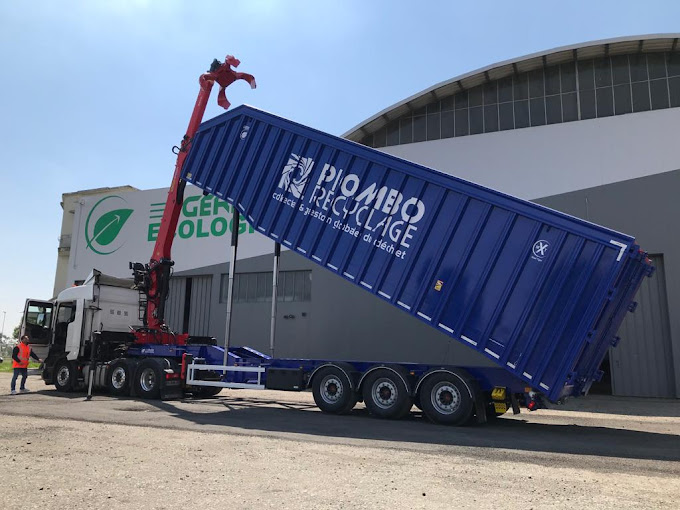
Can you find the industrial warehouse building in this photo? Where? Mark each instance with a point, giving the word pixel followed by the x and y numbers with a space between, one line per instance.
pixel 589 130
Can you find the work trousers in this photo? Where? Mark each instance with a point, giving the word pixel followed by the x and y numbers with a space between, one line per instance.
pixel 23 372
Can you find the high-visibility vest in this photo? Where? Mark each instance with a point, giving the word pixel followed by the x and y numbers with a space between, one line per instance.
pixel 24 354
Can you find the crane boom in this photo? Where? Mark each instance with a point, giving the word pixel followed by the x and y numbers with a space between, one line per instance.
pixel 153 279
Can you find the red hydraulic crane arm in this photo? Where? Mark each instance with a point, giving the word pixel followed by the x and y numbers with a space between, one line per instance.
pixel 153 279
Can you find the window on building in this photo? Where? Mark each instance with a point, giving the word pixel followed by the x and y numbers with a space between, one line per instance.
pixel 587 89
pixel 293 286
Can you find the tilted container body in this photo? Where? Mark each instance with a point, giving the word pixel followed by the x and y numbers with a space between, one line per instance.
pixel 539 292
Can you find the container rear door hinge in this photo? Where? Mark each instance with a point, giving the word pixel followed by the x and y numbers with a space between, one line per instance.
pixel 615 341
pixel 632 306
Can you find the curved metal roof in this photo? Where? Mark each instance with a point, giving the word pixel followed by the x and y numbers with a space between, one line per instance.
pixel 583 51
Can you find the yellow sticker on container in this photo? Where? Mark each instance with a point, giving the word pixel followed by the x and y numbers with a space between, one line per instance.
pixel 438 286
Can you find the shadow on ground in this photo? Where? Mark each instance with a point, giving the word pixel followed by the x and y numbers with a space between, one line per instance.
pixel 275 416
pixel 511 434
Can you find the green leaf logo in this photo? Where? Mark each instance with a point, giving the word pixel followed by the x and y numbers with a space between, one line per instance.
pixel 108 226
pixel 102 232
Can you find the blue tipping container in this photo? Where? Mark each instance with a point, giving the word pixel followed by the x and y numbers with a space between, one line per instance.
pixel 537 291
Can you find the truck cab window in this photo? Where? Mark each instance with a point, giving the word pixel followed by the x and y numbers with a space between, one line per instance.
pixel 66 314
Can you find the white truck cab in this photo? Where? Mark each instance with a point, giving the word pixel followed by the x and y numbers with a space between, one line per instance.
pixel 61 330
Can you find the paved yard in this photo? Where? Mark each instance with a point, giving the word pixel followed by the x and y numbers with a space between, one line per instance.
pixel 247 449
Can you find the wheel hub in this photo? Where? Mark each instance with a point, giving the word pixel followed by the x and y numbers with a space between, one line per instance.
pixel 384 393
pixel 118 377
pixel 331 389
pixel 63 375
pixel 445 398
pixel 147 379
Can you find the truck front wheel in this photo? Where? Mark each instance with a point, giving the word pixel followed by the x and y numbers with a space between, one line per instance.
pixel 64 376
pixel 147 380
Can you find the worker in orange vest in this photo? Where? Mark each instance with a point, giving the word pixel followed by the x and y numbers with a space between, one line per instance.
pixel 20 355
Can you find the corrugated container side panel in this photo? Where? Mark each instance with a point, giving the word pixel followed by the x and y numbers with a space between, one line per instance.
pixel 520 283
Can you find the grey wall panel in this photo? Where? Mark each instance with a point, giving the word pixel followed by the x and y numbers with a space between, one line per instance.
pixel 174 308
pixel 199 314
pixel 645 349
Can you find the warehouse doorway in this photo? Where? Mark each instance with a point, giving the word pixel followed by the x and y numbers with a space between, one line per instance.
pixel 642 364
pixel 188 305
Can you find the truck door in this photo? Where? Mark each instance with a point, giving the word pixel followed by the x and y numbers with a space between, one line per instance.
pixel 37 321
pixel 66 314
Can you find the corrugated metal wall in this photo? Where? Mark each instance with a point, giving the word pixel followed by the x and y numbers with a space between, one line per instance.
pixel 174 309
pixel 642 364
pixel 199 315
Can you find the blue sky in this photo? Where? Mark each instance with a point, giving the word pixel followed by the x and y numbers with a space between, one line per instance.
pixel 95 93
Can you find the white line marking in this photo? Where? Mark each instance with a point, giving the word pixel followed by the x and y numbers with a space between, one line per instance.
pixel 468 340
pixel 427 318
pixel 287 242
pixel 332 267
pixel 241 205
pixel 497 356
pixel 528 376
pixel 198 183
pixel 384 295
pixel 260 228
pixel 445 328
pixel 622 248
pixel 349 276
pixel 208 189
pixel 275 236
pixel 219 194
pixel 316 258
pixel 251 218
pixel 510 365
pixel 366 285
pixel 301 250
pixel 544 386
pixel 400 303
pixel 230 199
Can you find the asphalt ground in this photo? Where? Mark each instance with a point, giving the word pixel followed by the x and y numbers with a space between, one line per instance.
pixel 273 449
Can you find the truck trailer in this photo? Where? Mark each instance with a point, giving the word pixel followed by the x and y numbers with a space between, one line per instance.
pixel 539 293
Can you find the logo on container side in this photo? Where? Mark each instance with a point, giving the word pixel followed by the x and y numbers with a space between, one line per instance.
pixel 540 249
pixel 295 174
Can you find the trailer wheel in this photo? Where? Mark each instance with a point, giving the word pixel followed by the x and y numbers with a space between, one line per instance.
pixel 118 380
pixel 147 381
pixel 332 391
pixel 386 395
pixel 445 398
pixel 64 376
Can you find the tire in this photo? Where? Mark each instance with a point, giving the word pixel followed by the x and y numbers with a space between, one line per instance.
pixel 205 391
pixel 332 391
pixel 386 394
pixel 147 380
pixel 118 378
pixel 445 398
pixel 64 376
